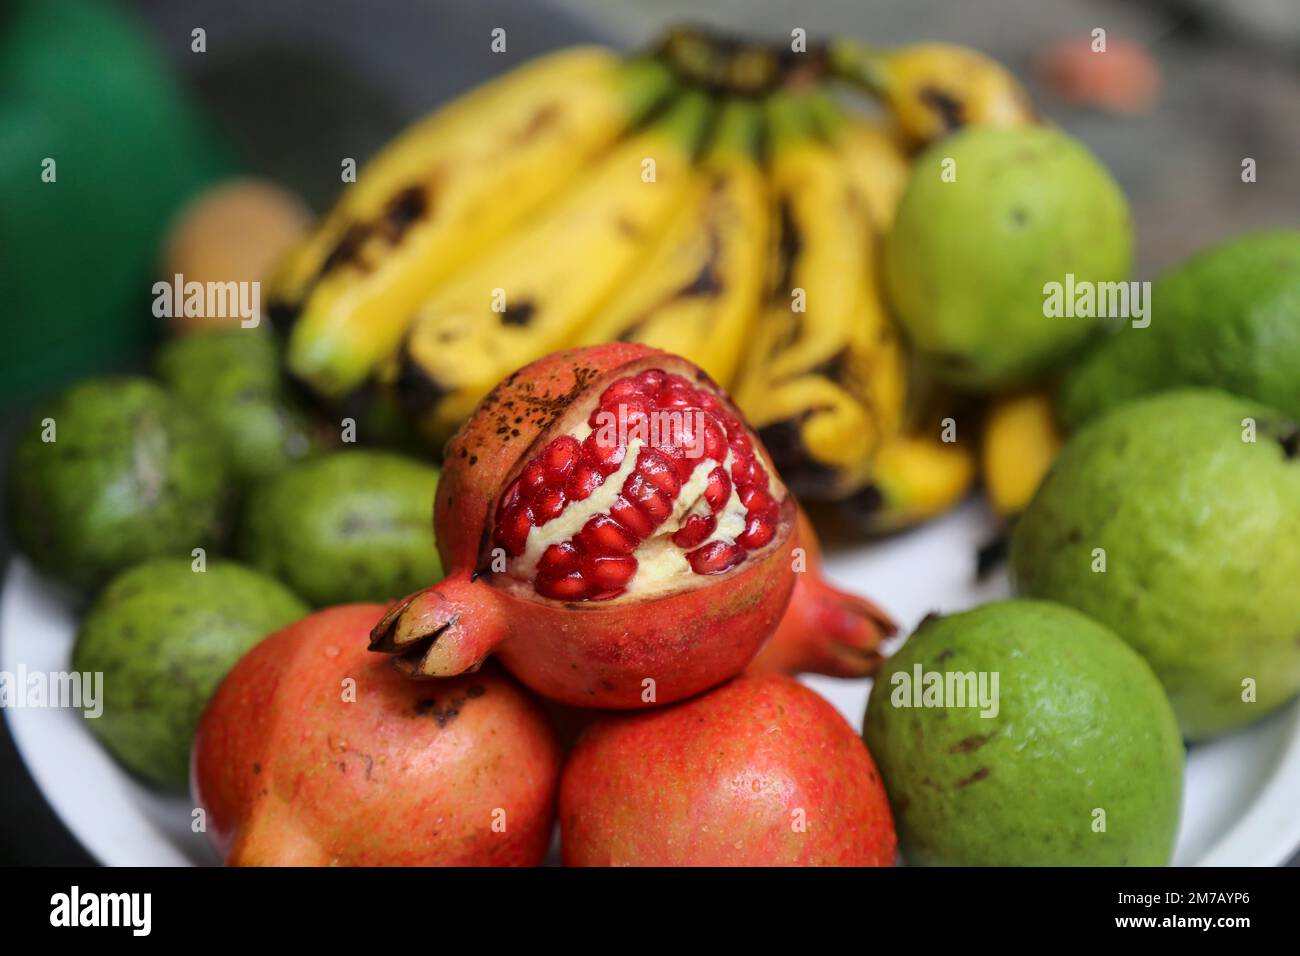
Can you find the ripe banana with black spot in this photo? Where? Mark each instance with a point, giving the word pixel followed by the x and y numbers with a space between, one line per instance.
pixel 439 195
pixel 824 381
pixel 535 292
pixel 699 290
pixel 932 89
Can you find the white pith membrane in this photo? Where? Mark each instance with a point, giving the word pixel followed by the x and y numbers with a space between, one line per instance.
pixel 661 563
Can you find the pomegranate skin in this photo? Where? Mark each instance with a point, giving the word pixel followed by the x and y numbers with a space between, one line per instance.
pixel 408 774
pixel 631 653
pixel 824 630
pixel 725 779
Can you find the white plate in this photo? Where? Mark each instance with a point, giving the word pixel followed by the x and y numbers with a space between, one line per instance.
pixel 1241 803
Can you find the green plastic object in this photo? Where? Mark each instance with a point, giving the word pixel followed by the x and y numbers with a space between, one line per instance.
pixel 82 84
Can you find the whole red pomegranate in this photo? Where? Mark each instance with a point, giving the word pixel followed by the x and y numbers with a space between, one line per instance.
pixel 759 772
pixel 824 630
pixel 613 531
pixel 315 753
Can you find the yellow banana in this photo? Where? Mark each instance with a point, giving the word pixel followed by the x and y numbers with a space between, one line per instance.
pixel 823 382
pixel 878 165
pixel 1020 440
pixel 533 293
pixel 920 473
pixel 932 89
pixel 439 195
pixel 699 290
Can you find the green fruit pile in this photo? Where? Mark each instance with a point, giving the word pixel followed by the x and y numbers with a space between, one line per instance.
pixel 128 491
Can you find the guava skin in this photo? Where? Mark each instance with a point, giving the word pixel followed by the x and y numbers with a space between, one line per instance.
pixel 1201 538
pixel 1082 725
pixel 232 378
pixel 967 260
pixel 132 475
pixel 344 527
pixel 164 635
pixel 1229 318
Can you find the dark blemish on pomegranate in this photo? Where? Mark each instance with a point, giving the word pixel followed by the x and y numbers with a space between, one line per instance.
pixel 257 770
pixel 976 777
pixel 519 314
pixel 965 746
pixel 422 707
pixel 473 459
pixel 477 691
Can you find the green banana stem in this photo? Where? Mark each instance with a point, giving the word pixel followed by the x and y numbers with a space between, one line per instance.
pixel 687 119
pixel 790 118
pixel 647 83
pixel 723 63
pixel 858 64
pixel 739 130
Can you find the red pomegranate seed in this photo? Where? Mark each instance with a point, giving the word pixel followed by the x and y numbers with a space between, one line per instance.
pixel 608 571
pixel 533 476
pixel 759 529
pixel 654 504
pixel 603 535
pixel 755 497
pixel 676 398
pixel 558 560
pixel 560 456
pixel 510 498
pixel 548 504
pixel 745 471
pixel 603 456
pixel 659 471
pixel 512 530
pixel 567 587
pixel 718 489
pixel 584 480
pixel 694 531
pixel 716 557
pixel 631 518
pixel 651 380
pixel 715 440
pixel 624 390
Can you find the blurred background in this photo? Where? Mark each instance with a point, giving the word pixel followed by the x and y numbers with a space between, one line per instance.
pixel 140 122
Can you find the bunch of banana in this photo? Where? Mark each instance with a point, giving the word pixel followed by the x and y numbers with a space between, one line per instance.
pixel 710 198
pixel 824 379
pixel 440 195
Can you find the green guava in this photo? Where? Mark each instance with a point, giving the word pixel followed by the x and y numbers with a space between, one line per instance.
pixel 1229 318
pixel 346 526
pixel 164 635
pixel 1175 520
pixel 1070 756
pixel 110 473
pixel 970 259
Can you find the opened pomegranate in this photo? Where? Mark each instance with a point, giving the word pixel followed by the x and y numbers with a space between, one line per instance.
pixel 613 531
pixel 824 630
pixel 759 772
pixel 314 752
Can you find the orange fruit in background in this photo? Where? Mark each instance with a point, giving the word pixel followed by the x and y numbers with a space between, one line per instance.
pixel 234 231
